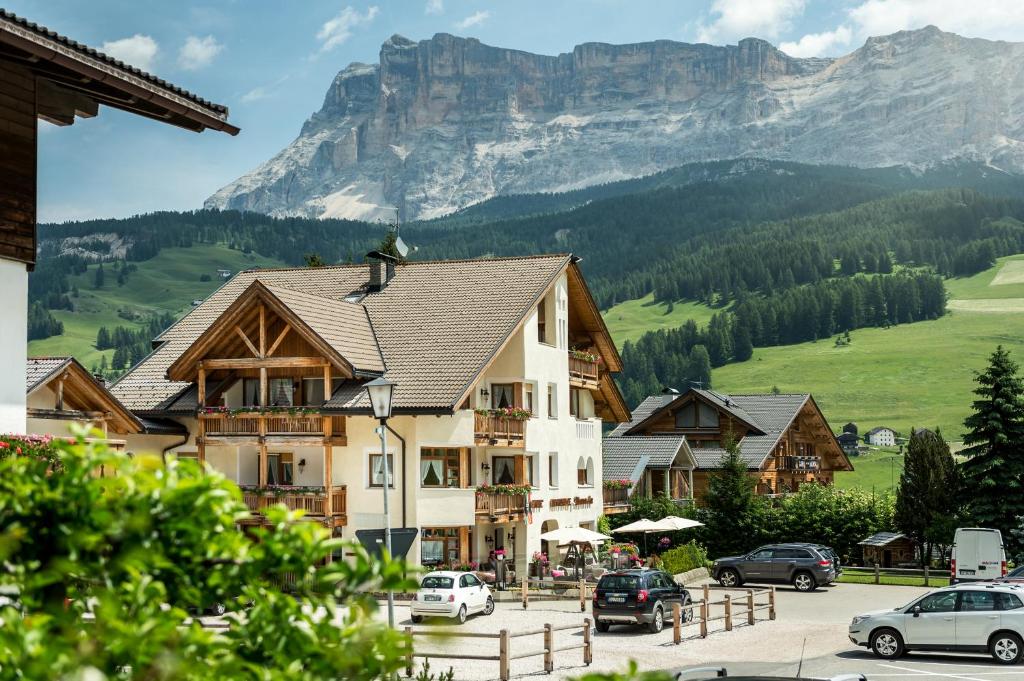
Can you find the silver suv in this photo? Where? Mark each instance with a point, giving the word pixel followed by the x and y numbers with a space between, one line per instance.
pixel 972 618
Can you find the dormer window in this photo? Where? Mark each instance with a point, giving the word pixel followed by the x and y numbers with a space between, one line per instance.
pixel 697 415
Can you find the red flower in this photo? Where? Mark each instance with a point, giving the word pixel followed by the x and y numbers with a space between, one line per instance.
pixel 4 445
pixel 18 450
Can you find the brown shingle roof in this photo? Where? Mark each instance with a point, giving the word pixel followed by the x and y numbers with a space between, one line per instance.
pixel 38 369
pixel 437 324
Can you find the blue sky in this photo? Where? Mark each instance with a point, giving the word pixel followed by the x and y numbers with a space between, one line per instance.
pixel 270 62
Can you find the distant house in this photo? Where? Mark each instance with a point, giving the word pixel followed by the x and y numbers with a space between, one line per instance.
pixel 849 442
pixel 850 427
pixel 224 274
pixel 644 466
pixel 881 437
pixel 889 549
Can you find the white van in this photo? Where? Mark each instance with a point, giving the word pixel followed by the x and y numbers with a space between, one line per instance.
pixel 977 555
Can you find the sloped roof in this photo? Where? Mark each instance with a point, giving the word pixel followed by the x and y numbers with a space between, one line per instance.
pixel 437 324
pixel 879 429
pixel 882 539
pixel 81 385
pixel 625 458
pixel 643 410
pixel 38 369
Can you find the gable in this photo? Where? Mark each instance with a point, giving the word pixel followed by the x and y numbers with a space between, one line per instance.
pixel 697 412
pixel 60 386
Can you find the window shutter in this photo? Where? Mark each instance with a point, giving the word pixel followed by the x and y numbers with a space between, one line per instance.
pixel 517 395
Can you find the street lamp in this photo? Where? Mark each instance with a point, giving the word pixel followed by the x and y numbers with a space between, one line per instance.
pixel 381 390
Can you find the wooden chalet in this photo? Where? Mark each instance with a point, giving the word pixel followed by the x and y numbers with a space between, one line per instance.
pixel 784 439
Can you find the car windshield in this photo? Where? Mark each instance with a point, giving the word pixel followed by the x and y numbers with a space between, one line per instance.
pixel 1017 572
pixel 618 582
pixel 437 582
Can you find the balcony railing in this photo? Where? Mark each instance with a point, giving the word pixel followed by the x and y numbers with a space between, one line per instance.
pixel 500 431
pixel 583 371
pixel 314 504
pixel 800 464
pixel 258 424
pixel 616 500
pixel 494 505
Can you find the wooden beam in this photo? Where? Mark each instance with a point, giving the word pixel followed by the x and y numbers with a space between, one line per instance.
pixel 65 414
pixel 280 337
pixel 327 382
pixel 328 466
pixel 262 474
pixel 202 387
pixel 263 331
pixel 263 362
pixel 60 392
pixel 264 396
pixel 245 339
pixel 201 439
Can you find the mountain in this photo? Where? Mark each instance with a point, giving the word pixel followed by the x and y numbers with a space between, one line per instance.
pixel 445 123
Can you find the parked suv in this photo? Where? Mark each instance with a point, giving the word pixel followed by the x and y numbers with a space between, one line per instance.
pixel 974 617
pixel 805 566
pixel 639 596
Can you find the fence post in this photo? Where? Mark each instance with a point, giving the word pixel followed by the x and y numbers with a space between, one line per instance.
pixel 503 655
pixel 750 607
pixel 926 574
pixel 588 650
pixel 707 593
pixel 771 603
pixel 408 652
pixel 583 594
pixel 727 599
pixel 877 575
pixel 677 623
pixel 526 591
pixel 704 618
pixel 549 646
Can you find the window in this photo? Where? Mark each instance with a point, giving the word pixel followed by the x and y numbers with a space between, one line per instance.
pixel 471 580
pixel 553 469
pixel 440 467
pixel 503 395
pixel 313 390
pixel 531 478
pixel 975 601
pixel 585 472
pixel 528 402
pixel 574 402
pixel 439 545
pixel 763 554
pixel 1006 601
pixel 504 468
pixel 279 469
pixel 686 417
pixel 704 444
pixel 791 553
pixel 377 470
pixel 552 401
pixel 280 392
pixel 941 602
pixel 708 416
pixel 250 392
pixel 435 582
pixel 542 322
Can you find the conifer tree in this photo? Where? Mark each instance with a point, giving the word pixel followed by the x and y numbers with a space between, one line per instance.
pixel 98 277
pixel 994 471
pixel 733 509
pixel 927 496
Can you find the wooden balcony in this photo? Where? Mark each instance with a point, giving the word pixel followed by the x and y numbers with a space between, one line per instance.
pixel 500 507
pixel 499 431
pixel 800 464
pixel 616 501
pixel 583 373
pixel 315 505
pixel 250 427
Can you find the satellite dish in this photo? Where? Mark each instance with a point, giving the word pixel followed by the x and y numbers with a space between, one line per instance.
pixel 400 246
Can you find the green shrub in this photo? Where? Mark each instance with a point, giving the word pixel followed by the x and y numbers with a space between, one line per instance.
pixel 684 558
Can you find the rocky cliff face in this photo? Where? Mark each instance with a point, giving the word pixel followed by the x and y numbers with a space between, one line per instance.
pixel 443 123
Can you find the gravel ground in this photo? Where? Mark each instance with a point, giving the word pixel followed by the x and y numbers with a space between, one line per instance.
pixel 812 626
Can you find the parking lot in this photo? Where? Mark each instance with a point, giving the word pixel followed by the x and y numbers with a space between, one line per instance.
pixel 811 627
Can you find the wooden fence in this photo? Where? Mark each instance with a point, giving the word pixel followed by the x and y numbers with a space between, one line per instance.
pixel 505 653
pixel 927 575
pixel 745 607
pixel 555 585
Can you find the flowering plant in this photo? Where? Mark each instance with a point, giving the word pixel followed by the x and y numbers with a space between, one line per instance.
pixel 38 446
pixel 512 413
pixel 585 355
pixel 628 548
pixel 235 411
pixel 467 567
pixel 664 542
pixel 511 490
pixel 281 490
pixel 540 558
pixel 499 552
pixel 618 484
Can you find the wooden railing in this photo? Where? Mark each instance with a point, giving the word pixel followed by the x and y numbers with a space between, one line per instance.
pixel 499 430
pixel 616 497
pixel 800 463
pixel 500 504
pixel 583 370
pixel 248 423
pixel 313 504
pixel 296 425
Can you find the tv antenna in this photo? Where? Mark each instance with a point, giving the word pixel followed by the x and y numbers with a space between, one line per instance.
pixel 400 246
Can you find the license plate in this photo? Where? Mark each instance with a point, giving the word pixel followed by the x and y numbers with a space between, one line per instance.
pixel 967 572
pixel 616 599
pixel 431 597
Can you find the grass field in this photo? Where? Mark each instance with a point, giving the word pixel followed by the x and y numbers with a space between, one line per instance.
pixel 878 470
pixel 889 580
pixel 167 283
pixel 633 318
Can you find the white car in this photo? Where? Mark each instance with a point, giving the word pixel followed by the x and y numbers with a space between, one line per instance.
pixel 451 594
pixel 970 618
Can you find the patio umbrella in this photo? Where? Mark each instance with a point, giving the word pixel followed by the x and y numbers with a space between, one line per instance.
pixel 671 523
pixel 643 525
pixel 574 537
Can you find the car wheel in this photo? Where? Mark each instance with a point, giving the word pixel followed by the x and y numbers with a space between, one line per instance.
pixel 687 611
pixel 489 606
pixel 416 619
pixel 729 578
pixel 1006 648
pixel 462 615
pixel 657 621
pixel 602 627
pixel 887 644
pixel 804 581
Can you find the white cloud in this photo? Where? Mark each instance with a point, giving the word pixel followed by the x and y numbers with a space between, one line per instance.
pixel 472 20
pixel 139 50
pixel 735 19
pixel 994 19
pixel 434 7
pixel 339 29
pixel 256 94
pixel 198 53
pixel 826 43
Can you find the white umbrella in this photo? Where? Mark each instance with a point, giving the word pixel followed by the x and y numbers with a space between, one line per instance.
pixel 671 523
pixel 643 525
pixel 573 535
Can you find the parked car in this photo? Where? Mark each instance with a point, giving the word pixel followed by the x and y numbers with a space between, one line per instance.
pixel 638 596
pixel 971 618
pixel 805 566
pixel 1014 576
pixel 977 555
pixel 451 594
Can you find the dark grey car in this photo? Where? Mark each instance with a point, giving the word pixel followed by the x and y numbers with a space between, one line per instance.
pixel 805 566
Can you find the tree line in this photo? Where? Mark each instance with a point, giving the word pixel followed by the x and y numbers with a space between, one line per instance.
pixel 130 345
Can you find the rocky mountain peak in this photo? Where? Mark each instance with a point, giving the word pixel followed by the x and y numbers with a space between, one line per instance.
pixel 449 121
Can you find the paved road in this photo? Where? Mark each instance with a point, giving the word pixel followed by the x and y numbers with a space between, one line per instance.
pixel 811 627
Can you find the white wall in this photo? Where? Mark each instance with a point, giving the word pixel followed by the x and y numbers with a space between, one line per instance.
pixel 13 346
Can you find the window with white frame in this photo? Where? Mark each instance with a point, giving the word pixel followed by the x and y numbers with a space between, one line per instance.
pixel 377 470
pixel 552 400
pixel 553 469
pixel 585 472
pixel 529 403
pixel 531 470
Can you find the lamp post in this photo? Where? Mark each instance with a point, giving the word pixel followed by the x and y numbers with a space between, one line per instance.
pixel 380 391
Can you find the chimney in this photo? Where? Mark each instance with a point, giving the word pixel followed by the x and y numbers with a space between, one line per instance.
pixel 100 379
pixel 382 269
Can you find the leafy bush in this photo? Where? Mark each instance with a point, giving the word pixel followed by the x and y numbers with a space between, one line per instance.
pixel 689 556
